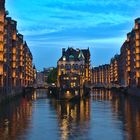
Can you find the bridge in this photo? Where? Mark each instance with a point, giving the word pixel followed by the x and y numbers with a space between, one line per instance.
pixel 43 85
pixel 99 85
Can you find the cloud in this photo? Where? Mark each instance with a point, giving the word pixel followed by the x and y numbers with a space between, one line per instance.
pixel 50 24
pixel 64 14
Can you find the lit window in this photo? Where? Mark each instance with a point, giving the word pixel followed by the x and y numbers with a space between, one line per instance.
pixel 137 65
pixel 137 35
pixel 64 58
pixel 137 43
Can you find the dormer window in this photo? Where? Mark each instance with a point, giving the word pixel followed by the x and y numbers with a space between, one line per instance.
pixel 71 57
pixel 81 56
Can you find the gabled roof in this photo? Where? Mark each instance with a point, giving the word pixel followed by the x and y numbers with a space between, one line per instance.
pixel 72 54
pixel 86 54
pixel 81 55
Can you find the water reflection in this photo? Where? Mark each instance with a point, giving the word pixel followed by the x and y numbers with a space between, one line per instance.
pixel 128 111
pixel 101 94
pixel 74 118
pixel 125 111
pixel 106 115
pixel 39 94
pixel 15 118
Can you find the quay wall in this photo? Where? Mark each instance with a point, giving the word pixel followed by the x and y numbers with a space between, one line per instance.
pixel 11 93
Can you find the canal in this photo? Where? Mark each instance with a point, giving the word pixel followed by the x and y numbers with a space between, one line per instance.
pixel 103 116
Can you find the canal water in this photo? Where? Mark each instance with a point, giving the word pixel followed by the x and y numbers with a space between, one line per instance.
pixel 103 116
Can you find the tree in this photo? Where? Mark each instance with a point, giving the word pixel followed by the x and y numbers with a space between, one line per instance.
pixel 52 77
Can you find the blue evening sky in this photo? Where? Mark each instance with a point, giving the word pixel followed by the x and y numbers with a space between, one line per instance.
pixel 50 25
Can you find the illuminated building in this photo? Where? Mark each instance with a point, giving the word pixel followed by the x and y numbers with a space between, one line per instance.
pixel 115 70
pixel 2 17
pixel 105 75
pixel 125 64
pixel 101 75
pixel 124 68
pixel 73 69
pixel 34 74
pixel 130 52
pixel 95 76
pixel 18 65
pixel 16 68
pixel 135 51
pixel 28 66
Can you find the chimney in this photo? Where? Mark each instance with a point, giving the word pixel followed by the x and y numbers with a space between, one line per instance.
pixel 63 51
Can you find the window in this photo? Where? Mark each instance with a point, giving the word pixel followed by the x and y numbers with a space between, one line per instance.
pixel 64 58
pixel 137 64
pixel 62 66
pixel 137 50
pixel 76 66
pixel 137 35
pixel 137 57
pixel 1 70
pixel 137 74
pixel 68 67
pixel 137 43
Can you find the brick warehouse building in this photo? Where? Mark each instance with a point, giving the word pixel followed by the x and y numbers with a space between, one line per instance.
pixel 125 68
pixel 73 69
pixel 16 68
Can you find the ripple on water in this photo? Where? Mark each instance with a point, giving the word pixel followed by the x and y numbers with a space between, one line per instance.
pixel 103 116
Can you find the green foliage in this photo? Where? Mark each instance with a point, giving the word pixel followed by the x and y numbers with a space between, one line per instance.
pixel 52 77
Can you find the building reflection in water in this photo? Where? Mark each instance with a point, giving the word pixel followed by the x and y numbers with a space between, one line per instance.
pixel 74 118
pixel 39 94
pixel 15 118
pixel 126 109
pixel 101 94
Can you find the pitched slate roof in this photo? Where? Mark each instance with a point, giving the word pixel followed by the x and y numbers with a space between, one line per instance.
pixel 74 54
pixel 70 54
pixel 86 54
